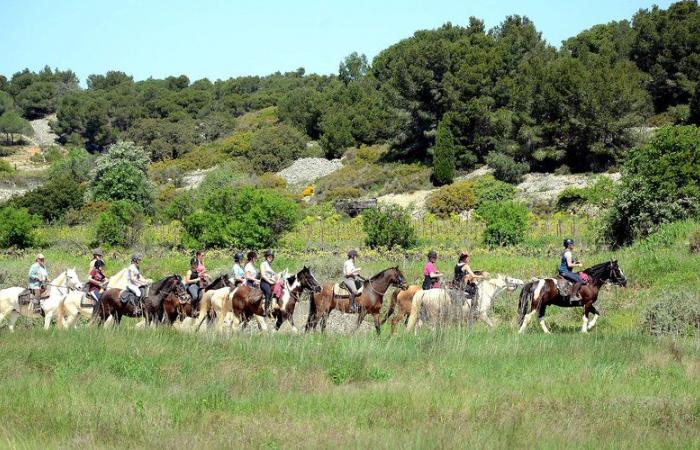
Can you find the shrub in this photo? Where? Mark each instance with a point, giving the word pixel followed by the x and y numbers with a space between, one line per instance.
pixel 452 199
pixel 444 153
pixel 123 182
pixel 271 181
pixel 121 224
pixel 76 164
pixel 343 192
pixel 6 167
pixel 600 193
pixel 274 148
pixel 226 175
pixel 242 218
pixel 678 314
pixel 660 184
pixel 505 168
pixel 53 154
pixel 53 199
pixel 388 227
pixel 488 189
pixel 506 223
pixel 694 242
pixel 17 227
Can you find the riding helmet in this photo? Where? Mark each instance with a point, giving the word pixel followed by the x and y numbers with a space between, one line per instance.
pixel 568 242
pixel 98 252
pixel 194 262
pixel 99 263
pixel 269 253
pixel 432 254
pixel 352 253
pixel 238 257
pixel 136 257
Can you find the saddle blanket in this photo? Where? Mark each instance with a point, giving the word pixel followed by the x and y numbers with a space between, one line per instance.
pixel 340 290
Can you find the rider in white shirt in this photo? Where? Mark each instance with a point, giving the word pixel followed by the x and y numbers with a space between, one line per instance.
pixel 251 273
pixel 135 282
pixel 351 275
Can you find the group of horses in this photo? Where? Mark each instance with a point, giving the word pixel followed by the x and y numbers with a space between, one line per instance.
pixel 224 306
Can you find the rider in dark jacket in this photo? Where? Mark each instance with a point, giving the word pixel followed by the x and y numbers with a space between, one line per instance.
pixel 567 263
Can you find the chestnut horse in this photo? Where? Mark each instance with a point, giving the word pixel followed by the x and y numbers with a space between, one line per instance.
pixel 539 294
pixel 369 301
pixel 400 301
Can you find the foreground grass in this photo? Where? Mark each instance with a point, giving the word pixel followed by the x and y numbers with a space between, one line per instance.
pixel 456 388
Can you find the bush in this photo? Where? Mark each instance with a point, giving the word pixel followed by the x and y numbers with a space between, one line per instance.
pixel 76 164
pixel 123 182
pixel 694 242
pixel 660 184
pixel 241 218
pixel 17 227
pixel 53 199
pixel 444 153
pixel 6 167
pixel 342 192
pixel 121 224
pixel 274 148
pixel 506 223
pixel 678 314
pixel 505 168
pixel 270 180
pixel 452 199
pixel 488 189
pixel 600 193
pixel 388 227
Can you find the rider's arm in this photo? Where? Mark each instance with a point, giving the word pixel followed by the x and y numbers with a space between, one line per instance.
pixel 189 279
pixel 569 261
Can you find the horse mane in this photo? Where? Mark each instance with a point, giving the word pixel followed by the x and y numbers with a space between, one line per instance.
pixel 598 271
pixel 164 282
pixel 383 272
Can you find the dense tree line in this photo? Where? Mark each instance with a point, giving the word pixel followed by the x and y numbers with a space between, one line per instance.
pixel 503 95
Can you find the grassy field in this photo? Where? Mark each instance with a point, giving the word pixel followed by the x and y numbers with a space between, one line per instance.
pixel 614 388
pixel 455 389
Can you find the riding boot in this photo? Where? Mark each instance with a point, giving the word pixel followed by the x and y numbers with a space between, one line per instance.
pixel 268 301
pixel 353 303
pixel 575 295
pixel 36 305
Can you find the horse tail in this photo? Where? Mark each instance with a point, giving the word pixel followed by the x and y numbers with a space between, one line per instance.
pixel 415 309
pixel 392 306
pixel 524 301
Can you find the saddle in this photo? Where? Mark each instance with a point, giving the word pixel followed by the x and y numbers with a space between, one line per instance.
pixel 564 286
pixel 339 289
pixel 25 297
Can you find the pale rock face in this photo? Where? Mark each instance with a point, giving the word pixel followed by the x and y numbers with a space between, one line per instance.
pixel 307 170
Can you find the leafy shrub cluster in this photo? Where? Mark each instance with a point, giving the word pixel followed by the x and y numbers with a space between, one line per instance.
pixel 121 224
pixel 694 242
pixel 676 314
pixel 17 227
pixel 242 218
pixel 388 227
pixel 506 223
pixel 600 193
pixel 660 184
pixel 6 167
pixel 451 199
pixel 53 199
pixel 505 168
pixel 488 189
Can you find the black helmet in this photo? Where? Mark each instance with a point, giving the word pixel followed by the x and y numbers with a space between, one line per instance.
pixel 252 255
pixel 99 263
pixel 352 253
pixel 238 257
pixel 568 242
pixel 194 262
pixel 269 253
pixel 136 257
pixel 432 254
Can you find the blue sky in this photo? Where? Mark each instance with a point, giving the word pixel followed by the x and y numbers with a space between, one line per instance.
pixel 220 39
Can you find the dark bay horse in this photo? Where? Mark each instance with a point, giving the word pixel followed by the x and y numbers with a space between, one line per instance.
pixel 369 302
pixel 163 300
pixel 539 294
pixel 293 288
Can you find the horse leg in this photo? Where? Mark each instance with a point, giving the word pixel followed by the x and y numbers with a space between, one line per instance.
pixel 360 318
pixel 591 324
pixel 483 316
pixel 48 318
pixel 324 317
pixel 13 319
pixel 526 320
pixel 584 325
pixel 540 318
pixel 378 323
pixel 280 319
pixel 290 318
pixel 262 325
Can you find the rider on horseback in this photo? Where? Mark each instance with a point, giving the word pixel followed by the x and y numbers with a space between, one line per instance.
pixel 462 269
pixel 38 280
pixel 250 272
pixel 431 276
pixel 97 255
pixel 352 275
pixel 237 272
pixel 268 278
pixel 568 262
pixel 135 283
pixel 97 280
pixel 193 280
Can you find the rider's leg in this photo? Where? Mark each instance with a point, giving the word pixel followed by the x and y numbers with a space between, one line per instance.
pixel 349 284
pixel 267 291
pixel 36 299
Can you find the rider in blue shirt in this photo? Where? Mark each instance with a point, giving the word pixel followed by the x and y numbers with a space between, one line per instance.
pixel 568 262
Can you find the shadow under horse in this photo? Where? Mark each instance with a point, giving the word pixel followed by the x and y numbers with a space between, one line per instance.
pixel 539 294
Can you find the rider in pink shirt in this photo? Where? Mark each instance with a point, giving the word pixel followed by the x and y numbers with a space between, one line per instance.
pixel 431 276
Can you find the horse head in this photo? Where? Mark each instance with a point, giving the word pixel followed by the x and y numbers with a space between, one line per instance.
pixel 308 280
pixel 398 280
pixel 72 280
pixel 617 276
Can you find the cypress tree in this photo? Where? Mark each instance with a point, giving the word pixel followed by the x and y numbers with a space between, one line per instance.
pixel 444 153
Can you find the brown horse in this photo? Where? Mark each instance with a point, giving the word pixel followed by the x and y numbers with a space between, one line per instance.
pixel 245 303
pixel 542 293
pixel 163 300
pixel 293 288
pixel 370 301
pixel 403 301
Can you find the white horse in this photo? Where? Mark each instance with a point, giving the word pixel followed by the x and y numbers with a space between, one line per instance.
pixel 59 289
pixel 435 304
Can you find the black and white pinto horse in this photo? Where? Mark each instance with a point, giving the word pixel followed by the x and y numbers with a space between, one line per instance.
pixel 538 294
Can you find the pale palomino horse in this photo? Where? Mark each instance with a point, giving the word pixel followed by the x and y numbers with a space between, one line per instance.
pixel 60 289
pixel 435 304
